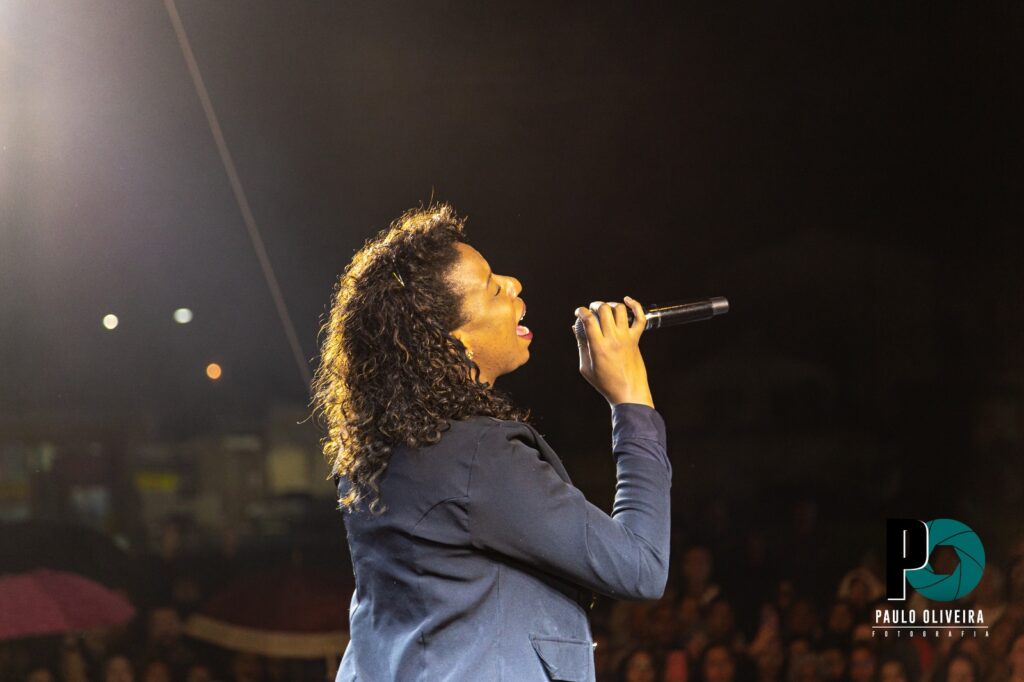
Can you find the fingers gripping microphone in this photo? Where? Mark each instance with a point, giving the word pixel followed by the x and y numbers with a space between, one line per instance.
pixel 675 313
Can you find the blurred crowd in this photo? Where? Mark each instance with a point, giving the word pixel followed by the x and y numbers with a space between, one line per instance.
pixel 154 650
pixel 165 585
pixel 748 619
pixel 162 655
pixel 755 606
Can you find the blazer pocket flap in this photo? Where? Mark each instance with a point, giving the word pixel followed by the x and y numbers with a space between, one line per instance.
pixel 567 660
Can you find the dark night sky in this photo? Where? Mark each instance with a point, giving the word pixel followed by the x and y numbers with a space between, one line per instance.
pixel 849 175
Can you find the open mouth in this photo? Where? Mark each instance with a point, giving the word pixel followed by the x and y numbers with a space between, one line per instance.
pixel 521 329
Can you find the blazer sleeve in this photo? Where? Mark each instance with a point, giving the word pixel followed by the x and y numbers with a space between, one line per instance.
pixel 519 506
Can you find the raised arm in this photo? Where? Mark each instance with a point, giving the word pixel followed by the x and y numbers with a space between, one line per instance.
pixel 520 507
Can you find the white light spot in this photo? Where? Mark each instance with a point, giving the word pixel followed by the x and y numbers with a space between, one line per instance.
pixel 182 315
pixel 110 321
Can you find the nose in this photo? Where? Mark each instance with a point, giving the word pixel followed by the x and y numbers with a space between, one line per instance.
pixel 515 285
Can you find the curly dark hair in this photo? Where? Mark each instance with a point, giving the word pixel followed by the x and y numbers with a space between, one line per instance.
pixel 390 371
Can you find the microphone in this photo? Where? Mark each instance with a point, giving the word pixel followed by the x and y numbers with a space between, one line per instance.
pixel 677 312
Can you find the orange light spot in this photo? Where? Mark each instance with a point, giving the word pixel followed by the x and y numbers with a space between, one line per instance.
pixel 213 371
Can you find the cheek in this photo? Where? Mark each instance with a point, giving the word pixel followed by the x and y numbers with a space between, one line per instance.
pixel 491 328
pixel 501 324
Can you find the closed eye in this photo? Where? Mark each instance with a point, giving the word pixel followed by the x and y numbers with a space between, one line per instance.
pixel 498 291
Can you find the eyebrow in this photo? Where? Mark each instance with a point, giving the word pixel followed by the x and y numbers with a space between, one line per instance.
pixel 487 284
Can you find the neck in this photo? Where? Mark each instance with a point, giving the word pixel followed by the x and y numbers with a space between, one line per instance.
pixel 486 378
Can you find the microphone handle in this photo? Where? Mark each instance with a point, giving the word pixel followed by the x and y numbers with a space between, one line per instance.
pixel 671 314
pixel 675 313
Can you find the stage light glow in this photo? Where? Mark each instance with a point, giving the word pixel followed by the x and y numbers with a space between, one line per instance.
pixel 182 315
pixel 110 321
pixel 213 371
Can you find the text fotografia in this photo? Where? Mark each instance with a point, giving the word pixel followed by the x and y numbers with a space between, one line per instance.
pixel 970 622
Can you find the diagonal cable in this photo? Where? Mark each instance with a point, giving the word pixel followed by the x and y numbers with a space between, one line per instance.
pixel 239 192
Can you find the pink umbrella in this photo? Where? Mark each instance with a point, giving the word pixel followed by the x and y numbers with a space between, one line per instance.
pixel 44 602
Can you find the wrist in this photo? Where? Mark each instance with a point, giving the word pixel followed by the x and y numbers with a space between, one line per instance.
pixel 634 398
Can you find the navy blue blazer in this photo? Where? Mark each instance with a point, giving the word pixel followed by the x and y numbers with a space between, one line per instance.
pixel 483 566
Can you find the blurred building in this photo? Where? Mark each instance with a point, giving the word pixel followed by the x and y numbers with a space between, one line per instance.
pixel 117 473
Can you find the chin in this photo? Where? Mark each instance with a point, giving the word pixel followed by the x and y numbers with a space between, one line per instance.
pixel 526 358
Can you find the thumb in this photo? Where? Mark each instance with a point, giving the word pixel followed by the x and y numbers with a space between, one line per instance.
pixel 579 329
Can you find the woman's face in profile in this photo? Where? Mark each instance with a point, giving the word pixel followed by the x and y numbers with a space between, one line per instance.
pixel 492 309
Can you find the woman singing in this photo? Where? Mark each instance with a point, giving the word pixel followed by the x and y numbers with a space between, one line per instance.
pixel 475 557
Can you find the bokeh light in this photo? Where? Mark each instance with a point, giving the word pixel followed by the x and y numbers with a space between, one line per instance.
pixel 182 315
pixel 110 321
pixel 213 371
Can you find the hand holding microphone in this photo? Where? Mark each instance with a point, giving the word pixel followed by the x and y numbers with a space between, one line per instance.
pixel 661 315
pixel 608 335
pixel 610 358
